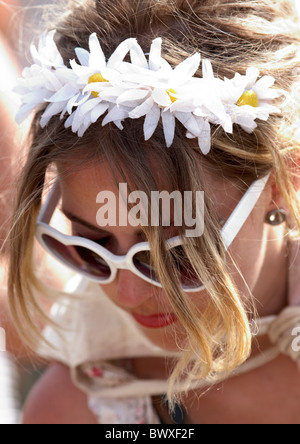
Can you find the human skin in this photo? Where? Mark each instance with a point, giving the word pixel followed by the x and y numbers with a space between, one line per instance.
pixel 260 251
pixel 254 250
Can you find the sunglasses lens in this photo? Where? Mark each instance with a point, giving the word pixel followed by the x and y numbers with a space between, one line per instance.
pixel 81 259
pixel 188 276
pixel 85 261
pixel 142 262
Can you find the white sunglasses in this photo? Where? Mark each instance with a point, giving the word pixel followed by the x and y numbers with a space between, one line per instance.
pixel 98 264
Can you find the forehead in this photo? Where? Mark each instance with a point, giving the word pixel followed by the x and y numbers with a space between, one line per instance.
pixel 101 175
pixel 82 184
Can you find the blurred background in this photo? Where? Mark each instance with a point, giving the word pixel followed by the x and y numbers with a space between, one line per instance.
pixel 20 22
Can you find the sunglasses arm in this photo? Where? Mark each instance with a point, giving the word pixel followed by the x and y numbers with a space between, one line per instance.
pixel 50 204
pixel 243 211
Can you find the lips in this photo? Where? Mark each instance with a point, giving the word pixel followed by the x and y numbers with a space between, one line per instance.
pixel 155 321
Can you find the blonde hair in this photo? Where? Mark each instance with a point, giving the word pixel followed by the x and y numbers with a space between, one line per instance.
pixel 233 35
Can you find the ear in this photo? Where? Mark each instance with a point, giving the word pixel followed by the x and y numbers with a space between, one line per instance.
pixel 276 200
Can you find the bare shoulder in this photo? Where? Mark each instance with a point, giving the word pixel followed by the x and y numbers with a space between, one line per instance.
pixel 55 400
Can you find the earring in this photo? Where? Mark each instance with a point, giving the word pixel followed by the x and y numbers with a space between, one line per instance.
pixel 276 217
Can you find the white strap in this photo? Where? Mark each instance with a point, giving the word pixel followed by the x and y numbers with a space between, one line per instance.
pixel 243 211
pixel 279 328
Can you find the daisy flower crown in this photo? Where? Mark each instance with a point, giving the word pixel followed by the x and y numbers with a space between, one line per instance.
pixel 147 87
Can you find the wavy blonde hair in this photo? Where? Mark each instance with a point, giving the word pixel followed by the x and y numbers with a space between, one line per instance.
pixel 234 35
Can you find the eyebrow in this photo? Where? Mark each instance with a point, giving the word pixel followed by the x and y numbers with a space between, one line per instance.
pixel 84 223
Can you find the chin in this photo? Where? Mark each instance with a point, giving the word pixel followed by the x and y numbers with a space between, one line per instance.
pixel 166 338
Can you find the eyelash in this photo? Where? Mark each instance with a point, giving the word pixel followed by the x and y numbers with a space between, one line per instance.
pixel 101 242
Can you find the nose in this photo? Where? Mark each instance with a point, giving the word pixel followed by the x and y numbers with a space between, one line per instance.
pixel 132 291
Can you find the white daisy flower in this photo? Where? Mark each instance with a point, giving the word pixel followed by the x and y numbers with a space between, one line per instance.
pixel 143 87
pixel 171 94
pixel 250 98
pixel 47 80
pixel 202 99
pixel 47 54
pixel 159 86
pixel 101 85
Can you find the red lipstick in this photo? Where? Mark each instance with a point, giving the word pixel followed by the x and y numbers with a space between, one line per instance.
pixel 155 321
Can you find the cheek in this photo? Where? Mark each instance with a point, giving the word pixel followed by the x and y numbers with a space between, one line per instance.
pixel 246 256
pixel 110 291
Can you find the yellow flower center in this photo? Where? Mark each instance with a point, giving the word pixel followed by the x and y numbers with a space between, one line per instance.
pixel 249 98
pixel 97 78
pixel 170 92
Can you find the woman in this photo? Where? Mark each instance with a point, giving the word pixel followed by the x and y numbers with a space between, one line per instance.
pixel 182 312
